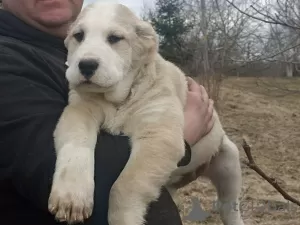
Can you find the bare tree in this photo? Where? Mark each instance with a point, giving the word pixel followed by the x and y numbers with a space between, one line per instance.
pixel 241 37
pixel 281 18
pixel 218 35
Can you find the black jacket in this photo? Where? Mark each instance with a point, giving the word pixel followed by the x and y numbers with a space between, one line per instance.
pixel 33 94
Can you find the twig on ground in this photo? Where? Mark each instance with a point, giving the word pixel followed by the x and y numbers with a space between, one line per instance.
pixel 252 165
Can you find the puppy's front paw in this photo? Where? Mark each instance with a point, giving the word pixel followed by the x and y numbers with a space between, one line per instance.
pixel 71 200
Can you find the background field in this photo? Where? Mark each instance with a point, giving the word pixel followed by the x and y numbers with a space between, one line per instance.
pixel 269 115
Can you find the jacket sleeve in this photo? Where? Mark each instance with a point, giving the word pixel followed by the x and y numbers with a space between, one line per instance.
pixel 29 112
pixel 28 116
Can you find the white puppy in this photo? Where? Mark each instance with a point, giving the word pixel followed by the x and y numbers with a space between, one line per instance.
pixel 119 83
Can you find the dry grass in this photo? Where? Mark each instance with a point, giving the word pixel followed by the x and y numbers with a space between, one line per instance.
pixel 270 117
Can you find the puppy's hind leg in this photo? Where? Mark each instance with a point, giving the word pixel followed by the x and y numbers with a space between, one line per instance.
pixel 225 174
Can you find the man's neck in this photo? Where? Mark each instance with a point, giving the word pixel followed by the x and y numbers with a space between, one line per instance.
pixel 60 32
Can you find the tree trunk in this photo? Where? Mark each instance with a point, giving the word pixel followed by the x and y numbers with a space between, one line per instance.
pixel 206 66
pixel 289 69
pixel 204 33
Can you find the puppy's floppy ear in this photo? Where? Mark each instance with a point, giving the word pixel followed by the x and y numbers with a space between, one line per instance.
pixel 67 40
pixel 76 22
pixel 144 29
pixel 69 34
pixel 147 38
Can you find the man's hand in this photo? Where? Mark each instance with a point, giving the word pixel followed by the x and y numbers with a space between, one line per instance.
pixel 198 113
pixel 198 122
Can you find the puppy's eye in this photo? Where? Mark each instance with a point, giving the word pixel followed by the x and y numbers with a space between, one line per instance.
pixel 112 39
pixel 79 36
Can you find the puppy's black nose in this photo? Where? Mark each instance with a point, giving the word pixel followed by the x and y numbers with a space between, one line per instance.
pixel 88 67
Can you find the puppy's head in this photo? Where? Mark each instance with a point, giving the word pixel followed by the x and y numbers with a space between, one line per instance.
pixel 105 44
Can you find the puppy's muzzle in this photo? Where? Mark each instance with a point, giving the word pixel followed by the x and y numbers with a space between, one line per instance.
pixel 88 67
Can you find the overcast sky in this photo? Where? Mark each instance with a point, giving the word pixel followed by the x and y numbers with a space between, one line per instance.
pixel 135 5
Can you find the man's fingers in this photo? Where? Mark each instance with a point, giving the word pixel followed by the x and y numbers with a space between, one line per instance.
pixel 210 124
pixel 210 108
pixel 193 86
pixel 189 82
pixel 204 94
pixel 210 118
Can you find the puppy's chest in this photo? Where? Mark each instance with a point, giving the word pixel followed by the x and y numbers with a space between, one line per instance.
pixel 118 118
pixel 142 107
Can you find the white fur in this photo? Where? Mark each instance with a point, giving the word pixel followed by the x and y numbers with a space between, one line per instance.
pixel 136 92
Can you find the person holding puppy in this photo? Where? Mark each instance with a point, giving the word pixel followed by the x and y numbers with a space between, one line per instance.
pixel 33 94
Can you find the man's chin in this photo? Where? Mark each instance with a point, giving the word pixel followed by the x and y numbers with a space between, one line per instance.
pixel 55 18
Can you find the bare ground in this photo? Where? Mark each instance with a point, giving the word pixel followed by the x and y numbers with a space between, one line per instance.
pixel 268 112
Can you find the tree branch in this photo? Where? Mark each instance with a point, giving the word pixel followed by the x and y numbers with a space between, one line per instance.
pixel 272 21
pixel 252 165
pixel 268 57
